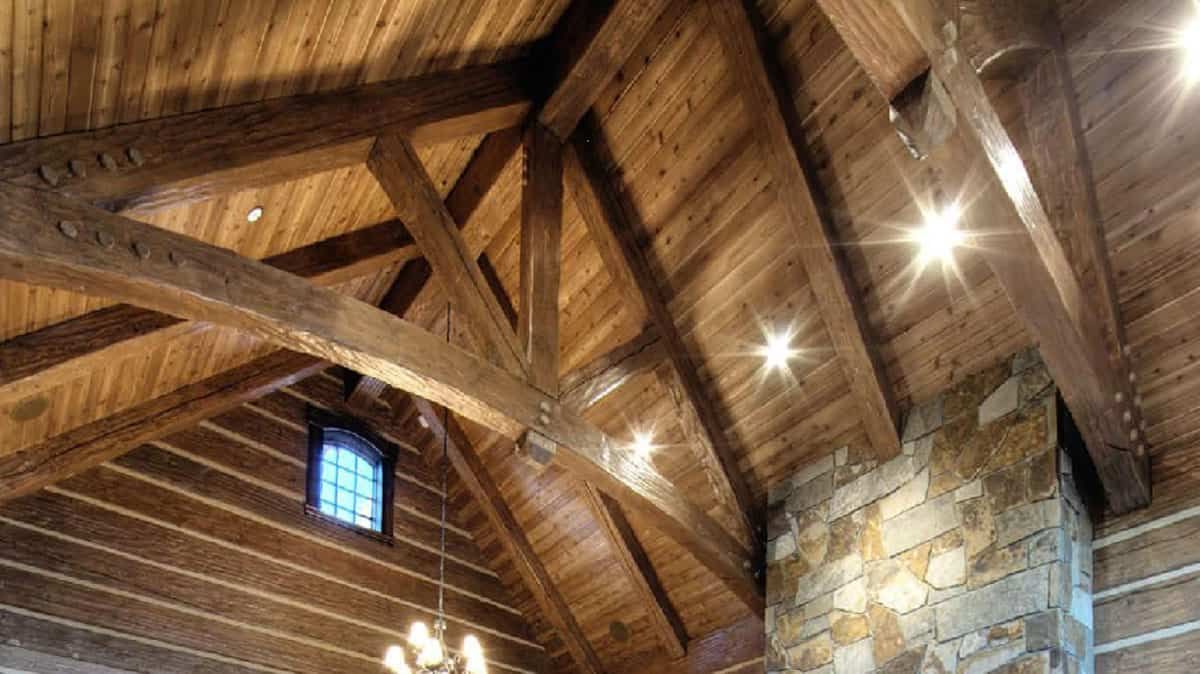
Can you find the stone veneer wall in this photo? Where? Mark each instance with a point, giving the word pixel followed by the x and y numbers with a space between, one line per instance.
pixel 968 553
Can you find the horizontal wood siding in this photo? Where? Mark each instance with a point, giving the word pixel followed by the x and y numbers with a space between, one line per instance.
pixel 195 554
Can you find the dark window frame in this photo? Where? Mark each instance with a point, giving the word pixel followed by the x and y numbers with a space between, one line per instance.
pixel 319 421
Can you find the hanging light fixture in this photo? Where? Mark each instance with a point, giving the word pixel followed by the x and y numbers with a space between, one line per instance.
pixel 428 649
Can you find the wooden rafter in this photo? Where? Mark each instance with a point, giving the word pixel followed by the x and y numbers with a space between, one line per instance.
pixel 38 361
pixel 640 571
pixel 415 198
pixel 475 478
pixel 541 256
pixel 1079 341
pixel 50 240
pixel 173 160
pixel 92 444
pixel 612 221
pixel 593 381
pixel 737 648
pixel 841 308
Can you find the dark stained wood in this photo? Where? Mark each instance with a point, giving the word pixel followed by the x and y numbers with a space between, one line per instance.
pixel 91 445
pixel 204 154
pixel 487 495
pixel 590 50
pixel 592 382
pixel 362 391
pixel 611 220
pixel 639 570
pixel 1036 272
pixel 221 286
pixel 38 361
pixel 401 174
pixel 923 115
pixel 840 305
pixel 541 256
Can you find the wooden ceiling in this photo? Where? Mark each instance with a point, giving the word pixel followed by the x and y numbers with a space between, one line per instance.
pixel 710 217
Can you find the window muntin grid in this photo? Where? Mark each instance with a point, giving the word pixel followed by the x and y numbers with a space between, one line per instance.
pixel 350 485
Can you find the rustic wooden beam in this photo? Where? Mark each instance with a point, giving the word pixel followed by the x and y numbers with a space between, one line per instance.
pixel 1029 260
pixel 198 156
pixel 780 138
pixel 50 240
pixel 588 50
pixel 593 381
pixel 541 256
pixel 639 570
pixel 402 175
pixel 36 362
pixel 508 531
pixel 735 649
pixel 92 444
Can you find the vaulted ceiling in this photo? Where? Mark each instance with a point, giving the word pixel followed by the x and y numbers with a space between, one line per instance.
pixel 730 174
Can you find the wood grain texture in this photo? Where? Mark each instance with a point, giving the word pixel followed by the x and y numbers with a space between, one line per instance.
pixel 91 445
pixel 401 174
pixel 201 155
pixel 592 382
pixel 36 362
pixel 475 477
pixel 541 256
pixel 838 299
pixel 218 285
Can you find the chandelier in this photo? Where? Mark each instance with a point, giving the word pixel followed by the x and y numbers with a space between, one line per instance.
pixel 429 649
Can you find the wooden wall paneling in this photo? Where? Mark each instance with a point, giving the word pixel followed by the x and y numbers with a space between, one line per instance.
pixel 400 172
pixel 201 155
pixel 841 306
pixel 36 362
pixel 407 357
pixel 541 257
pixel 90 445
pixel 473 473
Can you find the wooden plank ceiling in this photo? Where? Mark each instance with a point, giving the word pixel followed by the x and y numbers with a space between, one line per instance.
pixel 682 152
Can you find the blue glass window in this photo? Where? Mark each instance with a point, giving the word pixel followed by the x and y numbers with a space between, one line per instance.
pixel 351 480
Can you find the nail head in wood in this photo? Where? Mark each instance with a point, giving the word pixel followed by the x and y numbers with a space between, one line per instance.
pixel 136 156
pixel 49 175
pixel 544 420
pixel 1119 396
pixel 1127 416
pixel 104 239
pixel 68 229
pixel 107 161
pixel 545 406
pixel 1133 435
pixel 142 250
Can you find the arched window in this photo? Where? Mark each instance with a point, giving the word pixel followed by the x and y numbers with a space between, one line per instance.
pixel 350 473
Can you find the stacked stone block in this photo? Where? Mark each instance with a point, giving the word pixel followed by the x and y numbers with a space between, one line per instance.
pixel 969 553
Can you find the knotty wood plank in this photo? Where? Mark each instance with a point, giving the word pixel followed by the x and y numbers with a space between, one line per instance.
pixel 90 445
pixel 837 297
pixel 37 362
pixel 487 495
pixel 200 155
pixel 592 382
pixel 624 543
pixel 1039 278
pixel 399 171
pixel 611 221
pixel 541 256
pixel 218 285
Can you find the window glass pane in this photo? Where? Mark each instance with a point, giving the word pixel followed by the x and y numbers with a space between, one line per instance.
pixel 351 480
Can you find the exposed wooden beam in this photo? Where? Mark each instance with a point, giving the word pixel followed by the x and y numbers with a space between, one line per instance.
pixel 639 570
pixel 772 113
pixel 508 531
pixel 198 156
pixel 50 240
pixel 541 256
pixel 592 382
pixel 736 649
pixel 38 361
pixel 402 175
pixel 92 444
pixel 612 222
pixel 1029 261
pixel 588 50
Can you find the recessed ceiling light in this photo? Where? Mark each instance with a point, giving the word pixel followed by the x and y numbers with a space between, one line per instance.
pixel 642 443
pixel 778 351
pixel 255 214
pixel 1189 39
pixel 940 235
